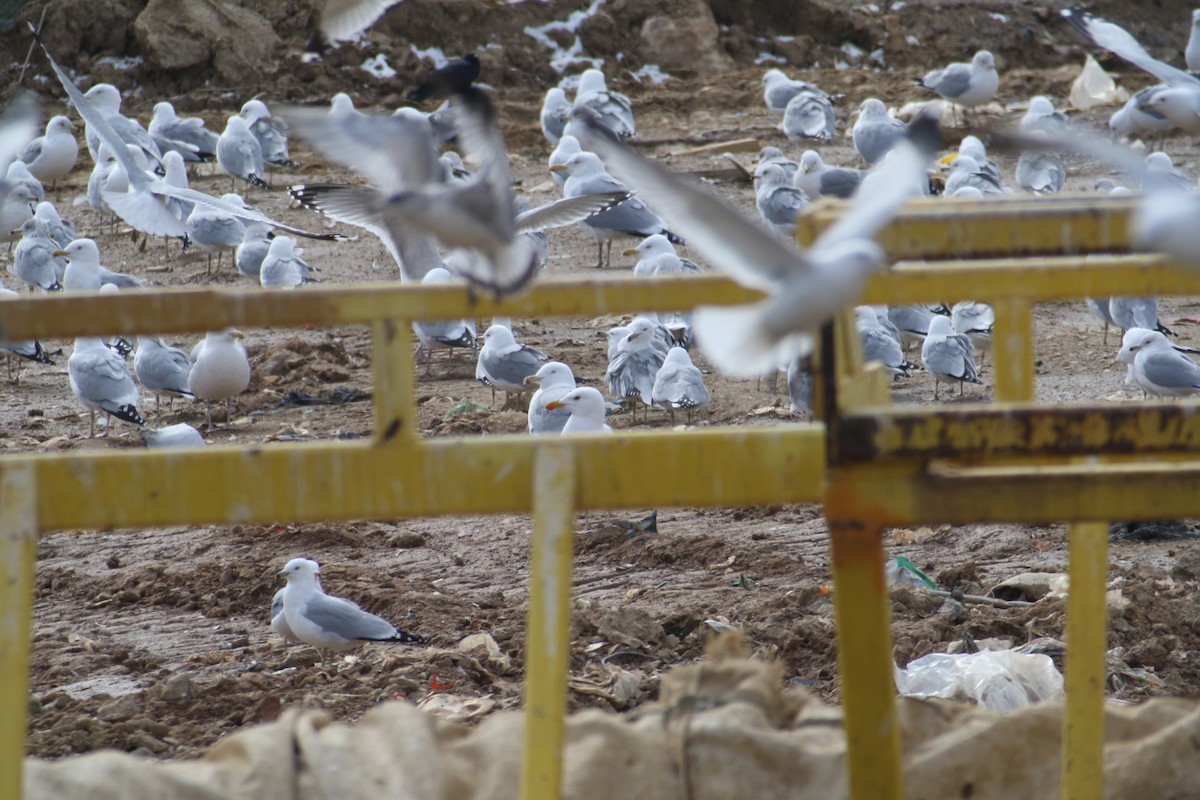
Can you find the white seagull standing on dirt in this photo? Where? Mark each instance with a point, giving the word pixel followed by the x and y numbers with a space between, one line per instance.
pixel 587 411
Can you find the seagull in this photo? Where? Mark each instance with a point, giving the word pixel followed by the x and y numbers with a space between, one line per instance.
pixel 52 155
pixel 1041 116
pixel 1161 173
pixel 163 370
pixel 283 268
pixel 587 411
pixel 879 345
pixel 30 349
pixel 778 202
pixel 611 109
pixel 556 110
pixel 975 321
pixel 84 272
pixel 1160 370
pixel 58 229
pixel 105 98
pixel 586 175
pixel 1137 312
pixel 630 375
pixel 567 146
pixel 809 115
pixel 1138 119
pixel 817 179
pixel 186 136
pixel 18 174
pixel 973 147
pixel 221 370
pixel 875 132
pixel 968 85
pixel 178 435
pixel 250 253
pixel 948 355
pixel 965 172
pixel 912 322
pixel 330 623
pixel 212 230
pixel 679 385
pixel 1040 173
pixel 773 155
pixel 101 380
pixel 553 380
pixel 240 155
pixel 504 363
pixel 779 89
pixel 271 133
pixel 33 260
pixel 806 287
pixel 450 334
pixel 16 206
pixel 658 257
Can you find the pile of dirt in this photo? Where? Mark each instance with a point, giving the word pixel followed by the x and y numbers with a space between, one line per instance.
pixel 206 53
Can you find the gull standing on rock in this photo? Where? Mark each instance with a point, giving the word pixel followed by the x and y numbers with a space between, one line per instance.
pixel 876 132
pixel 679 385
pixel 587 411
pixel 553 380
pixel 948 355
pixel 586 175
pixel 967 85
pixel 221 371
pixel 330 623
pixel 101 380
pixel 52 156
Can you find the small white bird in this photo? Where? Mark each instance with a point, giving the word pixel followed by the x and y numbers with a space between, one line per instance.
pixel 809 115
pixel 52 155
pixel 221 371
pixel 213 230
pixel 679 385
pixel 178 435
pixel 186 136
pixel 240 155
pixel 16 206
pixel 658 257
pixel 556 110
pixel 255 245
pixel 553 380
pixel 330 623
pixel 948 355
pixel 975 321
pixel 630 375
pixel 101 380
pixel 33 260
pixel 1041 116
pixel 449 334
pixel 779 89
pixel 1160 370
pixel 817 179
pixel 965 172
pixel 106 99
pixel 778 202
pixel 271 133
pixel 84 272
pixel 587 411
pixel 282 268
pixel 612 108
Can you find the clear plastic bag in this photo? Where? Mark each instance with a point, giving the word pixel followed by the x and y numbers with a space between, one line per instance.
pixel 1001 680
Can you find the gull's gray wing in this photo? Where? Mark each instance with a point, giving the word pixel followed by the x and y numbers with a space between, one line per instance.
pixel 632 372
pixel 102 377
pixel 721 233
pixel 568 210
pixel 512 365
pixel 1118 41
pixel 1169 369
pixel 340 617
pixel 840 182
pixel 680 386
pixel 345 19
pixel 951 81
pixel 164 368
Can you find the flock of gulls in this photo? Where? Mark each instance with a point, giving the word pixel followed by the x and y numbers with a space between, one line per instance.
pixel 445 222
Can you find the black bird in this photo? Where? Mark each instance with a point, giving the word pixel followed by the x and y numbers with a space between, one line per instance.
pixel 455 77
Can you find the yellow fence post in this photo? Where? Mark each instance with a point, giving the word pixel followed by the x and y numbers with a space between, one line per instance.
pixel 395 384
pixel 18 550
pixel 865 662
pixel 1012 343
pixel 547 647
pixel 1087 625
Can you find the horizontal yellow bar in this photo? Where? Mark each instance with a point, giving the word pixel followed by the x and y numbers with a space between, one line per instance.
pixel 187 310
pixel 1003 226
pixel 904 495
pixel 1021 430
pixel 360 480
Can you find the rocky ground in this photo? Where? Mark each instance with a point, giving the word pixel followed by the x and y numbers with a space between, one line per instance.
pixel 156 641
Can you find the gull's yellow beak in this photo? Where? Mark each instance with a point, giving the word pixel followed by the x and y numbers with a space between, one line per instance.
pixel 630 252
pixel 554 405
pixel 946 159
pixel 58 253
pixel 532 380
pixel 559 168
pixel 237 334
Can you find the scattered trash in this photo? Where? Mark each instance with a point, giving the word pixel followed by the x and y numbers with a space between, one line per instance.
pixel 999 680
pixel 335 398
pixel 1095 87
pixel 1030 586
pixel 902 572
pixel 463 406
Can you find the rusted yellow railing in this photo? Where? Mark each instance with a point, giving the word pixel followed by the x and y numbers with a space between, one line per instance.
pixel 872 464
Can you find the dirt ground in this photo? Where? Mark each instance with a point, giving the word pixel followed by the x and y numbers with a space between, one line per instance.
pixel 157 641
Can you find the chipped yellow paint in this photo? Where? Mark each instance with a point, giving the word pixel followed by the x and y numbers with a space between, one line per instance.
pixel 18 547
pixel 1087 617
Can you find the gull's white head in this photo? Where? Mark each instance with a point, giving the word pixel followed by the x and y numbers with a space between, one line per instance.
pixel 654 245
pixel 341 104
pixel 964 164
pixel 583 402
pixel 236 126
pixel 498 336
pixel 282 247
pixel 552 374
pixel 810 161
pixel 973 147
pixel 872 108
pixel 105 97
pixel 254 110
pixel 773 76
pixel 581 165
pixel 60 124
pixel 1130 343
pixel 592 80
pixel 678 355
pixel 82 251
pixel 941 326
pixel 983 60
pixel 300 570
pixel 164 111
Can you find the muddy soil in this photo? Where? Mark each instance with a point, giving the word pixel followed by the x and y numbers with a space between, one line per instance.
pixel 156 641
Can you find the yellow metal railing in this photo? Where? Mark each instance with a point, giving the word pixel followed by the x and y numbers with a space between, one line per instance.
pixel 873 465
